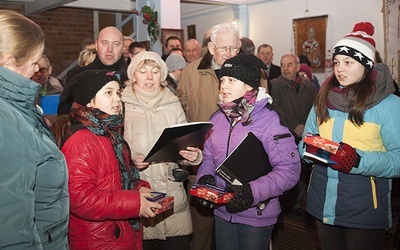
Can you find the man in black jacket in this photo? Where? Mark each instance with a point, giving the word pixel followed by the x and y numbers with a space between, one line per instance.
pixel 109 46
pixel 266 54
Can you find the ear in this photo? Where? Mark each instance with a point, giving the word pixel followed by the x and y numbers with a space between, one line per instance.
pixel 8 61
pixel 211 48
pixel 249 88
pixel 50 69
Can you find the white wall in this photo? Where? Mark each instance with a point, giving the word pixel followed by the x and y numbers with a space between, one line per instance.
pixel 271 21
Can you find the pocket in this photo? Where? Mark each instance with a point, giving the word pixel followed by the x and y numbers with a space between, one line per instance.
pixel 56 230
pixel 373 192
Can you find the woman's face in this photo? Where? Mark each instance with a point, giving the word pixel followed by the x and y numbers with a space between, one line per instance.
pixel 232 89
pixel 347 70
pixel 108 99
pixel 147 77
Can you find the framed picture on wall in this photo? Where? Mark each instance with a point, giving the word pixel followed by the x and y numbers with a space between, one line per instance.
pixel 165 33
pixel 191 30
pixel 310 40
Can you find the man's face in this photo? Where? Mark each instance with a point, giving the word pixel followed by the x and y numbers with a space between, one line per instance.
pixel 192 51
pixel 224 47
pixel 136 51
pixel 310 33
pixel 173 43
pixel 42 75
pixel 127 42
pixel 266 55
pixel 109 45
pixel 289 67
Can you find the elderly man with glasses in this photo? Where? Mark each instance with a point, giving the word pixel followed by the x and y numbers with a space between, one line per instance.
pixel 198 90
pixel 50 85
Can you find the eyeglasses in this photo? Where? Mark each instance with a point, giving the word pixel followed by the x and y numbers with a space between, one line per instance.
pixel 43 70
pixel 223 50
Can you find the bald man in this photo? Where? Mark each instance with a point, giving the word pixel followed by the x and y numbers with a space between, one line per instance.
pixel 109 46
pixel 191 50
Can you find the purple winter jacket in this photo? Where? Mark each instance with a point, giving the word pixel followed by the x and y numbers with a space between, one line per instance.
pixel 283 157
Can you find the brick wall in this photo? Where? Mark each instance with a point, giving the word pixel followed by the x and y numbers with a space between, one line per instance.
pixel 65 29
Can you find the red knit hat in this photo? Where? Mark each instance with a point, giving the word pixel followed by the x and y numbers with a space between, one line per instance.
pixel 359 45
pixel 307 70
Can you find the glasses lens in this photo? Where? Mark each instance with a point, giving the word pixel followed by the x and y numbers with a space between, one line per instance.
pixel 44 70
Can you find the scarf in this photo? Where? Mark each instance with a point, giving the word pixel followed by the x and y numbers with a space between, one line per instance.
pixel 103 124
pixel 147 98
pixel 240 108
pixel 340 98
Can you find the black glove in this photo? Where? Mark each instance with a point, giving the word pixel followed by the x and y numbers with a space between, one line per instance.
pixel 242 200
pixel 180 175
pixel 206 179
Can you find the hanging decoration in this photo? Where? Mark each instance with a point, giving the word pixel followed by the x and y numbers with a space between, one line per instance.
pixel 150 17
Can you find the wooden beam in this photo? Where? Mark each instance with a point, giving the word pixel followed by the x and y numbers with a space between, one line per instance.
pixel 38 6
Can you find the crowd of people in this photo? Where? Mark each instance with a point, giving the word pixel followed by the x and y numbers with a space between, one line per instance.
pixel 81 181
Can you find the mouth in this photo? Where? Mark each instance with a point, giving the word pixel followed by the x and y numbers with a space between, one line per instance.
pixel 117 109
pixel 341 77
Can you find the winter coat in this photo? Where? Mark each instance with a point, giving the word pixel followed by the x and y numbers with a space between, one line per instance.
pixel 143 126
pixel 199 87
pixel 100 209
pixel 283 157
pixel 294 105
pixel 360 199
pixel 34 204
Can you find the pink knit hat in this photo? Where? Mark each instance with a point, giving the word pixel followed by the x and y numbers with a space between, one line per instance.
pixel 307 70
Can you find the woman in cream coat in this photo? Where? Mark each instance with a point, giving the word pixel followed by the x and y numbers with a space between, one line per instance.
pixel 149 108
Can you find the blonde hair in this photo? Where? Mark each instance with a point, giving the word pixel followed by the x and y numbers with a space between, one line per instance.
pixel 20 36
pixel 151 63
pixel 86 56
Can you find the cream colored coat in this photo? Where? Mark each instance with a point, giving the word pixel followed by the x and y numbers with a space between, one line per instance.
pixel 143 126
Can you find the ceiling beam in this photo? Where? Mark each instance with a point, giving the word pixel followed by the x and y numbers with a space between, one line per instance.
pixel 107 5
pixel 38 6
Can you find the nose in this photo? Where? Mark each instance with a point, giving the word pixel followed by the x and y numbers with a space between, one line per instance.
pixel 149 75
pixel 110 47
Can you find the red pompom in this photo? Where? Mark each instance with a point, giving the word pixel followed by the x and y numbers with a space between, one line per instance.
pixel 366 27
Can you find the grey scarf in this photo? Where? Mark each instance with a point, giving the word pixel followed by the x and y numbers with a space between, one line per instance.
pixel 338 100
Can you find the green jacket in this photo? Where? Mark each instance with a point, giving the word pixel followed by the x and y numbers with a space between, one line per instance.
pixel 34 203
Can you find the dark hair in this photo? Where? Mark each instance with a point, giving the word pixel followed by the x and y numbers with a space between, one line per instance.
pixel 136 45
pixel 304 59
pixel 172 38
pixel 378 58
pixel 361 91
pixel 61 129
pixel 263 46
pixel 247 46
pixel 87 42
pixel 175 49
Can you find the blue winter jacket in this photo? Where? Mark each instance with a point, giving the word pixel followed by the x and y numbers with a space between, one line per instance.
pixel 34 204
pixel 283 157
pixel 360 199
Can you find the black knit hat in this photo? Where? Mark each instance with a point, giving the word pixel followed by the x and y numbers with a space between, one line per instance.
pixel 244 67
pixel 89 82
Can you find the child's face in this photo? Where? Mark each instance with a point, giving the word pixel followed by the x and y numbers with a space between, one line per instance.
pixel 347 70
pixel 232 89
pixel 108 99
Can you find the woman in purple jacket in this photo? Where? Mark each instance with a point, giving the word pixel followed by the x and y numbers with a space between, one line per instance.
pixel 244 108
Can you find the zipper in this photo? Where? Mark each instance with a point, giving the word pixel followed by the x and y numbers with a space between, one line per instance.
pixel 374 198
pixel 49 230
pixel 281 136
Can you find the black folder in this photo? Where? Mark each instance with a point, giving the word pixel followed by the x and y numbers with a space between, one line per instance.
pixel 247 162
pixel 176 138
